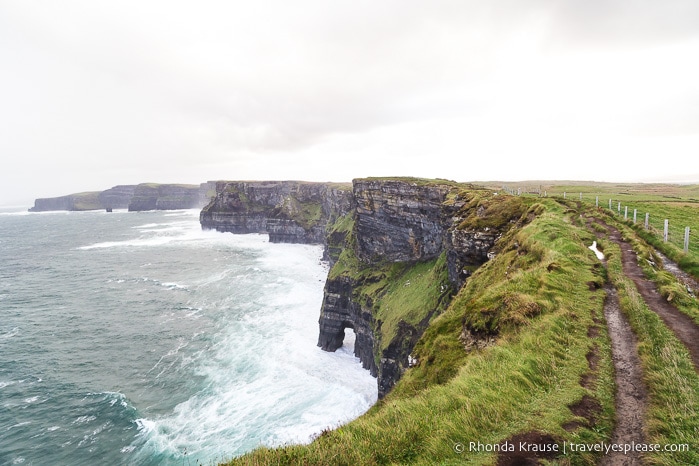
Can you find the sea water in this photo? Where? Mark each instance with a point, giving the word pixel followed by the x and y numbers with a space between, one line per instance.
pixel 139 339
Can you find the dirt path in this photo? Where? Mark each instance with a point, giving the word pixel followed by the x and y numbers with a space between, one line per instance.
pixel 630 396
pixel 630 391
pixel 682 325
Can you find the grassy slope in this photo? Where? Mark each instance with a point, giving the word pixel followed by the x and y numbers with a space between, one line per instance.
pixel 535 294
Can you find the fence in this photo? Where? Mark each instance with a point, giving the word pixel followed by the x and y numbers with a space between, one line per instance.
pixel 658 225
pixel 670 233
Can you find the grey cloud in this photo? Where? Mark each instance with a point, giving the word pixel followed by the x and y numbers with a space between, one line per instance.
pixel 624 22
pixel 103 85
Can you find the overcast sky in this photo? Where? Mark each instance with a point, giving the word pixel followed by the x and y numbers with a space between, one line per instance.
pixel 97 93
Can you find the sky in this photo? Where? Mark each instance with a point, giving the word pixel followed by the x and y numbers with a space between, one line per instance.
pixel 97 93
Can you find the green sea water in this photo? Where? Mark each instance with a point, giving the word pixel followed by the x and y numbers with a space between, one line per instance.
pixel 139 339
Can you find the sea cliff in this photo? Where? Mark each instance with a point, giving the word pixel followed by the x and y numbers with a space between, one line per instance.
pixel 289 211
pixel 398 247
pixel 144 196
pixel 151 196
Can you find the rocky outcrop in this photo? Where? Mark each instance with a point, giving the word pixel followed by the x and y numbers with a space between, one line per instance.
pixel 405 221
pixel 339 312
pixel 394 221
pixel 289 211
pixel 164 197
pixel 477 220
pixel 374 234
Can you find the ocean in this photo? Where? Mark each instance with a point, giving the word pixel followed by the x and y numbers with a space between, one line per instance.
pixel 138 339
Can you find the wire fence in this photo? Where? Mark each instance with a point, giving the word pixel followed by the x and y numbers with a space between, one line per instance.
pixel 670 231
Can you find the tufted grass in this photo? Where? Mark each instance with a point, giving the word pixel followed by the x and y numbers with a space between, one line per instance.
pixel 524 380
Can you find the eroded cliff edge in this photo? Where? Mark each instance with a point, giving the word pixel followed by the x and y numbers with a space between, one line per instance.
pixel 398 249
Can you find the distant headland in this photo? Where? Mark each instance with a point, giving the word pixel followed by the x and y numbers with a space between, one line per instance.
pixel 144 196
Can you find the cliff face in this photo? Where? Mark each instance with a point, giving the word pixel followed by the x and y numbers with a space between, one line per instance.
pixel 289 211
pixel 411 245
pixel 73 202
pixel 164 197
pixel 399 221
pixel 398 250
pixel 134 197
pixel 396 224
pixel 117 197
pixel 52 203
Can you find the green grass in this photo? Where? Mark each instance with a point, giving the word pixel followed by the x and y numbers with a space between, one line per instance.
pixel 677 203
pixel 507 387
pixel 87 201
pixel 408 293
pixel 396 292
pixel 679 215
pixel 672 382
pixel 307 214
pixel 483 209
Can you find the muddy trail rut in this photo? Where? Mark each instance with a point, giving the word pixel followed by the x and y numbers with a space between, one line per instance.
pixel 681 325
pixel 630 396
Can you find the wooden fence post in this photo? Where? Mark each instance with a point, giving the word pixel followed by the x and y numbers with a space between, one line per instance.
pixel 618 208
pixel 647 220
pixel 597 201
pixel 626 212
pixel 634 216
pixel 665 231
pixel 610 204
pixel 686 239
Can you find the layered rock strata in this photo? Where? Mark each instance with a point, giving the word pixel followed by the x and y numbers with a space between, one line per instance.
pixel 164 197
pixel 289 211
pixel 117 197
pixel 399 221
pixel 377 225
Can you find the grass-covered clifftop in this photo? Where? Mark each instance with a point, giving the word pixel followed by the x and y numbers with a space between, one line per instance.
pixel 504 360
pixel 526 346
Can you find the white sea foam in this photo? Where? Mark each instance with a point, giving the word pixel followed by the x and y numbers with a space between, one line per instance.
pixel 187 232
pixel 19 424
pixel 148 225
pixel 267 381
pixel 15 214
pixel 84 419
pixel 6 335
pixel 174 286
